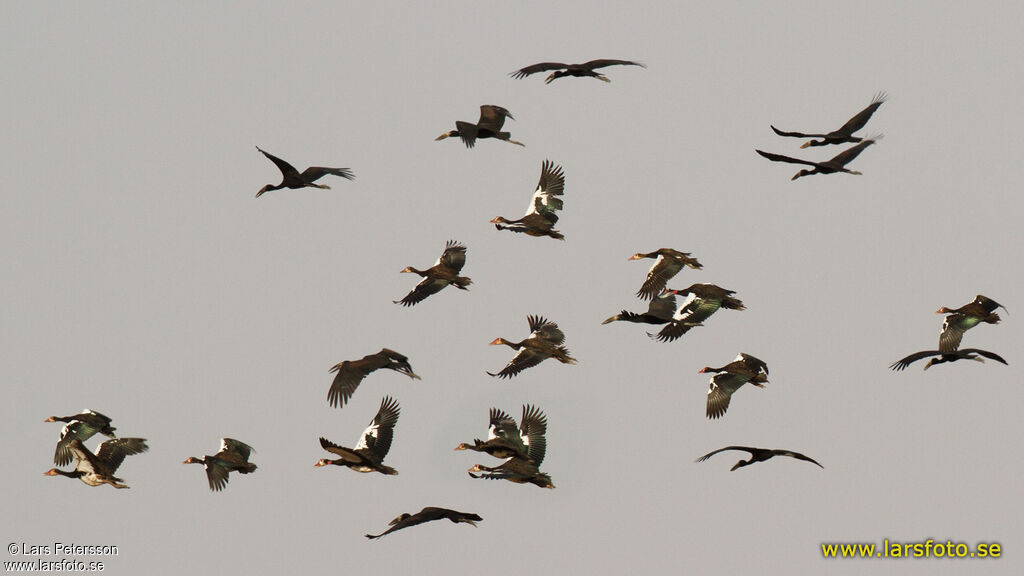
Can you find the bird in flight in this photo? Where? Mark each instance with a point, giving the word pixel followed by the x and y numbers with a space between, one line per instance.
pixel 836 164
pixel 758 455
pixel 428 514
pixel 541 216
pixel 293 179
pixel 492 118
pixel 843 134
pixel 578 70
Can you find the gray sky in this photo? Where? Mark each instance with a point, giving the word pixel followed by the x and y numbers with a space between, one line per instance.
pixel 146 282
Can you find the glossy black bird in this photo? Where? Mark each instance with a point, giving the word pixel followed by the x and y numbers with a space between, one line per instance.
pixel 541 216
pixel 843 134
pixel 373 446
pixel 444 272
pixel 96 469
pixel 492 118
pixel 351 372
pixel 82 426
pixel 758 455
pixel 293 179
pixel 428 514
pixel 232 457
pixel 836 164
pixel 578 70
pixel 942 357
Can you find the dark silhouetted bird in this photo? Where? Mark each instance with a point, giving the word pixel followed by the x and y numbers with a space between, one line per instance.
pixel 428 514
pixel 578 70
pixel 758 455
pixel 729 378
pixel 81 426
pixel 836 164
pixel 293 179
pixel 703 301
pixel 843 134
pixel 351 372
pixel 659 311
pixel 507 440
pixel 942 357
pixel 492 118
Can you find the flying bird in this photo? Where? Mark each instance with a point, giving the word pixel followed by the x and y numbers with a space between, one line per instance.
pixel 82 426
pixel 373 446
pixel 492 118
pixel 545 341
pixel 541 214
pixel 659 311
pixel 515 469
pixel 428 514
pixel 667 263
pixel 962 319
pixel 702 301
pixel 758 455
pixel 843 134
pixel 351 372
pixel 233 457
pixel 444 272
pixel 942 357
pixel 507 440
pixel 729 378
pixel 578 70
pixel 294 180
pixel 96 469
pixel 836 164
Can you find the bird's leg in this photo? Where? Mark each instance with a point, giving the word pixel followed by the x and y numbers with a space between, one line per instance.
pixel 603 78
pixel 323 186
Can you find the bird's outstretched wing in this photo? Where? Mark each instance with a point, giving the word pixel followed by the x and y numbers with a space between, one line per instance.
pixel 601 63
pixel 286 169
pixel 541 67
pixel 781 158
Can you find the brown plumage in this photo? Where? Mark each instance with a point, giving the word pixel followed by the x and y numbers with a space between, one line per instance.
pixel 373 446
pixel 704 300
pixel 962 319
pixel 835 164
pixel 515 469
pixel 96 469
pixel 492 118
pixel 541 216
pixel 292 178
pixel 444 272
pixel 545 341
pixel 729 378
pixel 667 264
pixel 82 426
pixel 506 440
pixel 843 134
pixel 232 457
pixel 579 70
pixel 351 372
pixel 428 514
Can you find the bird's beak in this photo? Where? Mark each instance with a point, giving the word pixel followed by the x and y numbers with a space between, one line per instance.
pixel 441 137
pixel 805 144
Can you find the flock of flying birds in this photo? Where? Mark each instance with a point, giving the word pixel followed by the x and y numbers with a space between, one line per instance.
pixel 521 446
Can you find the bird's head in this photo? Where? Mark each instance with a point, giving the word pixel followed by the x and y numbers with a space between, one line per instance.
pixel 52 472
pixel 462 446
pixel 51 419
pixel 193 460
pixel 266 188
pixel 499 341
pixel 739 464
pixel 470 519
pixel 446 135
pixel 637 256
pixel 321 462
pixel 942 310
pixel 499 220
pixel 810 143
pixel 800 173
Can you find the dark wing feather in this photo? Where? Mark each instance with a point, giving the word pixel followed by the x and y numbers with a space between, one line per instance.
pixel 112 452
pixel 492 118
pixel 286 169
pixel 541 67
pixel 346 454
pixel 903 363
pixel 349 375
pixel 781 158
pixel 985 353
pixel 952 333
pixel 236 447
pixel 314 173
pixel 796 455
pixel 663 306
pixel 609 62
pixel 862 117
pixel 525 358
pixel 796 134
pixel 467 132
pixel 377 437
pixel 713 452
pixel 216 474
pixel 660 273
pixel 426 287
pixel 454 256
pixel 847 156
pixel 534 427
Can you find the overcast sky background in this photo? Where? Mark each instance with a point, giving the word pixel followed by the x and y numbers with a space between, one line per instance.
pixel 145 281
